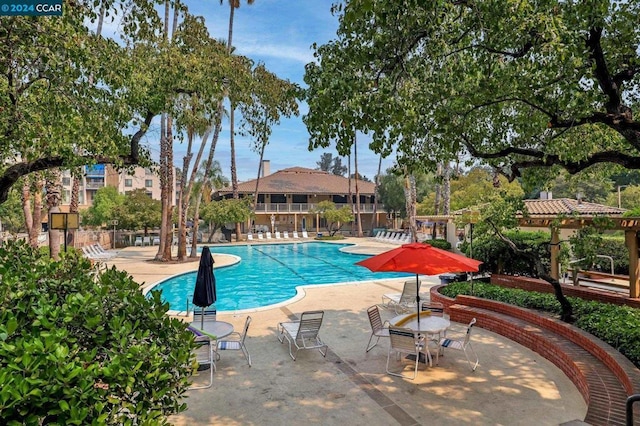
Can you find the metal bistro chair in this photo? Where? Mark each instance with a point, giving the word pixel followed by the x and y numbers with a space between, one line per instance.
pixel 205 354
pixel 235 341
pixel 463 345
pixel 408 342
pixel 378 328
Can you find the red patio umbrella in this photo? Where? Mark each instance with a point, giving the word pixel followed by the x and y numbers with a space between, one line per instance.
pixel 420 258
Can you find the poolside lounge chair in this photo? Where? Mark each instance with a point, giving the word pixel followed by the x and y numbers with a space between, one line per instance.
pixel 260 236
pixel 205 355
pixel 268 235
pixel 285 235
pixel 463 345
pixel 401 302
pixel 156 241
pixel 295 234
pixel 304 234
pixel 278 237
pixel 138 242
pixel 250 236
pixel 406 341
pixel 146 241
pixel 100 251
pixel 235 341
pixel 378 328
pixel 303 334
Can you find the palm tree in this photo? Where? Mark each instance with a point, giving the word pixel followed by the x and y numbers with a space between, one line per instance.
pixel 233 5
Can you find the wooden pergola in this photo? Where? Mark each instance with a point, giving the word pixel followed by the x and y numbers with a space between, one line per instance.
pixel 630 226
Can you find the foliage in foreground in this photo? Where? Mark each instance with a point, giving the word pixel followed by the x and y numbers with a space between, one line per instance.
pixel 80 350
pixel 616 325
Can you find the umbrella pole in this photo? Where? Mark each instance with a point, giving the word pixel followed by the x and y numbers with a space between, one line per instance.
pixel 418 298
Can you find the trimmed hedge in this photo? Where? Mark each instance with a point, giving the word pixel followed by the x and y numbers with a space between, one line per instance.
pixel 439 243
pixel 80 348
pixel 619 326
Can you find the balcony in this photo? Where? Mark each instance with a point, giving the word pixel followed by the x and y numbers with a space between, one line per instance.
pixel 308 207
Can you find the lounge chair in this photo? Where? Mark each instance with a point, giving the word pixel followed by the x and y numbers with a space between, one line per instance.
pixel 406 341
pixel 401 302
pixel 235 341
pixel 303 334
pixel 295 235
pixel 378 328
pixel 463 345
pixel 100 251
pixel 146 241
pixel 250 236
pixel 268 234
pixel 304 234
pixel 278 237
pixel 285 235
pixel 260 236
pixel 156 241
pixel 138 242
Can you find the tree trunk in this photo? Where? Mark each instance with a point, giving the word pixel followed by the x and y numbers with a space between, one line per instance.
pixel 374 219
pixel 26 210
pixel 53 191
pixel 167 232
pixel 355 164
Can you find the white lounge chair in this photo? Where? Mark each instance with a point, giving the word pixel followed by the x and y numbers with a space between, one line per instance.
pixel 285 235
pixel 401 302
pixel 138 242
pixel 304 234
pixel 250 236
pixel 156 241
pixel 295 235
pixel 260 236
pixel 146 241
pixel 278 237
pixel 268 235
pixel 303 334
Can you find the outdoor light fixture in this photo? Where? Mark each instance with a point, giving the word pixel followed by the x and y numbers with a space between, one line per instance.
pixel 64 222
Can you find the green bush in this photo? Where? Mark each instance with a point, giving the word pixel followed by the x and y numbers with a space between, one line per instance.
pixel 497 256
pixel 439 243
pixel 76 348
pixel 616 248
pixel 619 326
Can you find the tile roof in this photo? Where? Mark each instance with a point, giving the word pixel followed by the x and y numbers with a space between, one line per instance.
pixel 299 180
pixel 568 206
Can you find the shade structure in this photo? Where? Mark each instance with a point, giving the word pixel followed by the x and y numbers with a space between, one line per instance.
pixel 204 294
pixel 420 259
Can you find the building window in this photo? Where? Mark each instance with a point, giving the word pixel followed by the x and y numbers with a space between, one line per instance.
pixel 66 196
pixel 148 183
pixel 66 181
pixel 128 183
pixel 278 198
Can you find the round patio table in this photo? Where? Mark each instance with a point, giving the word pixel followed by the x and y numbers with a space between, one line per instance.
pixel 215 328
pixel 429 324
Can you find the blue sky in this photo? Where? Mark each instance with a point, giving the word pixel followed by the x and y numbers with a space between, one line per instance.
pixel 280 34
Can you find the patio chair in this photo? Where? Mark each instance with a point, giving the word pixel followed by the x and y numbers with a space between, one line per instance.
pixel 463 345
pixel 205 355
pixel 401 302
pixel 278 237
pixel 146 241
pixel 250 236
pixel 304 234
pixel 101 252
pixel 378 328
pixel 156 241
pixel 235 342
pixel 295 234
pixel 285 235
pixel 406 341
pixel 138 242
pixel 260 236
pixel 268 234
pixel 303 334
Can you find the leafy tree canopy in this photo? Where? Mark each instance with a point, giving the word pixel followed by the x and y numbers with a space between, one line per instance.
pixel 230 210
pixel 516 84
pixel 335 217
pixel 105 203
pixel 138 211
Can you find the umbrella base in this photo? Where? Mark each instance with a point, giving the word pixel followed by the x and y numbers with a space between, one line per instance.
pixel 422 359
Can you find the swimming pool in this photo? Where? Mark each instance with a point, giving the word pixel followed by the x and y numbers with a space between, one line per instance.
pixel 269 273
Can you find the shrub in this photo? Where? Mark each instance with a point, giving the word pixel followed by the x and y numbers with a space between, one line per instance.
pixel 76 348
pixel 439 243
pixel 616 325
pixel 616 248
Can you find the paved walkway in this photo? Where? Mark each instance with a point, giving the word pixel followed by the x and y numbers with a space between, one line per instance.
pixel 512 385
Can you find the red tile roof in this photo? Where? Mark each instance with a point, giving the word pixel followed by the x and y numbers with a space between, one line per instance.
pixel 568 206
pixel 298 180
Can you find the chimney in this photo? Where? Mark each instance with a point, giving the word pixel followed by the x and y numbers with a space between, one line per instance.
pixel 266 168
pixel 546 195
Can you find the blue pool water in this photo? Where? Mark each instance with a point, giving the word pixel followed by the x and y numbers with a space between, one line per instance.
pixel 269 273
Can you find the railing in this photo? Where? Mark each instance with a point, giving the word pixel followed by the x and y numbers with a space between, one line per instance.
pixel 308 207
pixel 630 401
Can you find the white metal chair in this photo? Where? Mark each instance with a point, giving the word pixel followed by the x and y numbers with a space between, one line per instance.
pixel 463 345
pixel 138 242
pixel 235 341
pixel 378 328
pixel 278 237
pixel 250 236
pixel 406 341
pixel 285 235
pixel 304 234
pixel 303 334
pixel 295 234
pixel 268 234
pixel 260 236
pixel 205 355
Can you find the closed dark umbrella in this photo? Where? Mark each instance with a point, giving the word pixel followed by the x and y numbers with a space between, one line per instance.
pixel 204 295
pixel 420 258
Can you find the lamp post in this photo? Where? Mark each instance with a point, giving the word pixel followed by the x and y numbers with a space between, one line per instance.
pixel 472 218
pixel 114 222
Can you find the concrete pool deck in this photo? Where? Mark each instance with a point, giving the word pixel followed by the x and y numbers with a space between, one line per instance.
pixel 512 385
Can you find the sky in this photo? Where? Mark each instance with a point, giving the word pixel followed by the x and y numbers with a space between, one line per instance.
pixel 279 34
